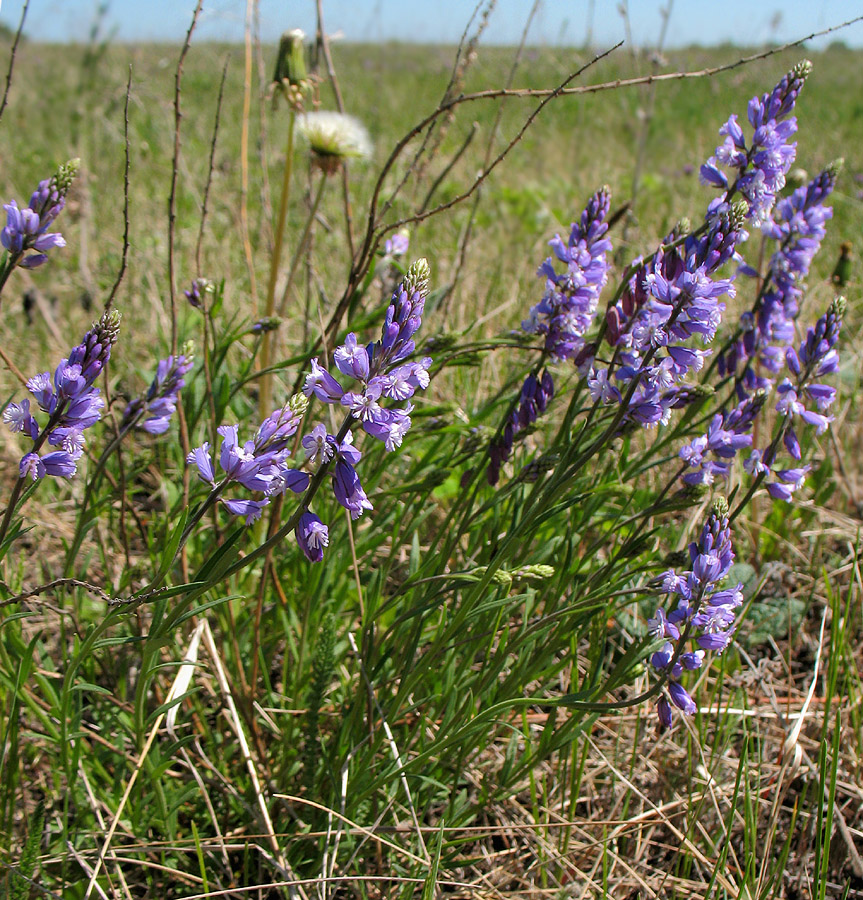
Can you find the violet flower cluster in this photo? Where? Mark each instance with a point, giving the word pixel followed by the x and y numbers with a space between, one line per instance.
pixel 384 379
pixel 802 398
pixel 259 465
pixel 568 306
pixel 152 412
pixel 27 229
pixel 672 299
pixel 797 225
pixel 704 612
pixel 762 166
pixel 563 315
pixel 70 401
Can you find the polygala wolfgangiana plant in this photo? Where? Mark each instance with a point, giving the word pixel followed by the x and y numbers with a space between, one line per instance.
pixel 470 555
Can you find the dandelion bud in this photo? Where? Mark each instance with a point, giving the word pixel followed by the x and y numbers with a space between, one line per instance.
pixel 291 61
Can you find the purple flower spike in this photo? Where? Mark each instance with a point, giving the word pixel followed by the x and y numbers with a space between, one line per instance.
pixel 27 229
pixel 705 613
pixel 259 465
pixel 152 412
pixel 70 400
pixel 569 303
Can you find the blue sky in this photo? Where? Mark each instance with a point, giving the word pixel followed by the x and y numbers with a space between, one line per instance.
pixel 559 21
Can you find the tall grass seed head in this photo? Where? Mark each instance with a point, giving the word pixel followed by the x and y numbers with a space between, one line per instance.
pixel 333 138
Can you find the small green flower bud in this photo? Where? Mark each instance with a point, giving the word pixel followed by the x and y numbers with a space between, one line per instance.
pixel 839 307
pixel 66 174
pixel 502 577
pixel 298 404
pixel 802 70
pixel 417 278
pixel 720 508
pixel 538 572
pixel 835 168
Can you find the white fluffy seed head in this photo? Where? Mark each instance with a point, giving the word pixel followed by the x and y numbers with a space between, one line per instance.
pixel 334 137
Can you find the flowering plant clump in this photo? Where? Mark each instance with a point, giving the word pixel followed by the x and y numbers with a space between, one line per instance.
pixel 661 329
pixel 428 567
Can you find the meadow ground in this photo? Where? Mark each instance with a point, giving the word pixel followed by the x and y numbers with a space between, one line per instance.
pixel 389 723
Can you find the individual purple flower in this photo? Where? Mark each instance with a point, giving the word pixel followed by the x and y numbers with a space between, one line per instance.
pixel 348 490
pixel 27 229
pixel 352 359
pixel 398 244
pixel 59 464
pixel 152 412
pixel 312 536
pixel 317 445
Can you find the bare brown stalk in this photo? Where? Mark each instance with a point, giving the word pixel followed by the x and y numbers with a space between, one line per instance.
pixel 324 44
pixel 460 63
pixel 13 368
pixel 12 54
pixel 489 148
pixel 172 280
pixel 175 168
pixel 53 586
pixel 244 149
pixel 125 254
pixel 449 166
pixel 210 166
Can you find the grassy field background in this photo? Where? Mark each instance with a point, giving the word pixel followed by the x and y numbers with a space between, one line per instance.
pixel 610 807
